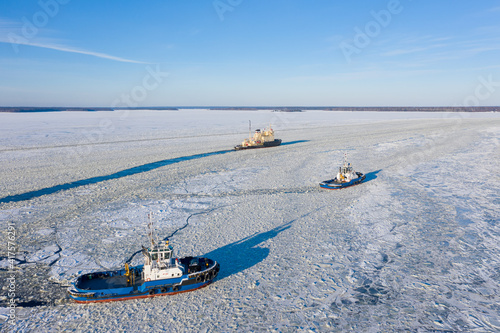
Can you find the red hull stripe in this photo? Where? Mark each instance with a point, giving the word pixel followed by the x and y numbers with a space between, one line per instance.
pixel 340 188
pixel 142 296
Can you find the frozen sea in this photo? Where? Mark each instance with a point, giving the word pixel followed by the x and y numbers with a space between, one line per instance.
pixel 415 248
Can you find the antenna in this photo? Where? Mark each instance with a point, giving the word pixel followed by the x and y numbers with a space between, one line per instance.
pixel 151 229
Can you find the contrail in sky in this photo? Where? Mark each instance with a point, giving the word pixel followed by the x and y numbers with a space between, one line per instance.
pixel 72 50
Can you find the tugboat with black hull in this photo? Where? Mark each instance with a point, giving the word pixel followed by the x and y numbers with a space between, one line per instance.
pixel 345 177
pixel 260 139
pixel 161 274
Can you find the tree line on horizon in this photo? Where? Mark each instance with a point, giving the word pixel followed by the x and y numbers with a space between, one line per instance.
pixel 274 108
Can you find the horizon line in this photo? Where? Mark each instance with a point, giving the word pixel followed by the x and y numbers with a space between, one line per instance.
pixel 235 107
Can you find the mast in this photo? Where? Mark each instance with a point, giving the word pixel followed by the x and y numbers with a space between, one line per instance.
pixel 249 130
pixel 151 229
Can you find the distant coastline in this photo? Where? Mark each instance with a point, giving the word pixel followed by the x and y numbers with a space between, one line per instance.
pixel 19 109
pixel 270 108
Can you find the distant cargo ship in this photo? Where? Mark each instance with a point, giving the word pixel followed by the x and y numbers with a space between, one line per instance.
pixel 260 139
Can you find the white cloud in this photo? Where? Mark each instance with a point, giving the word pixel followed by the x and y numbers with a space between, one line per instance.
pixel 439 49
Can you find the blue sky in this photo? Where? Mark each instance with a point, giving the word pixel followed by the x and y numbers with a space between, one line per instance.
pixel 249 53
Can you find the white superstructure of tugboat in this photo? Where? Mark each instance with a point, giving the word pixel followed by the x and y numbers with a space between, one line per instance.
pixel 161 274
pixel 345 177
pixel 260 139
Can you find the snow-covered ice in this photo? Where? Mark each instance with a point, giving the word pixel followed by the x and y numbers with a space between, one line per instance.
pixel 414 248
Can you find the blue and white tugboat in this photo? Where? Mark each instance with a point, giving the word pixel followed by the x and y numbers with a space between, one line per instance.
pixel 345 177
pixel 161 274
